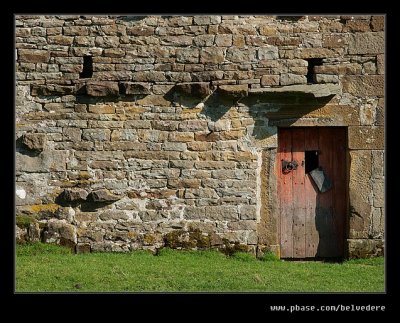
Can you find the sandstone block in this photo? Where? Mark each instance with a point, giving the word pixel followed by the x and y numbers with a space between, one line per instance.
pixel 181 136
pixel 289 79
pixel 96 134
pixel 33 55
pixel 184 183
pixel 367 43
pixel 74 195
pixel 237 55
pixel 248 212
pixel 221 213
pixel 71 134
pixel 377 23
pixel 96 89
pixel 174 146
pixel 45 162
pixel 102 195
pixel 365 85
pixel 131 88
pixel 359 193
pixel 366 137
pixel 194 213
pixel 193 125
pixel 102 109
pixel 196 89
pixel 267 52
pixel 270 80
pixel 223 40
pixel 234 90
pixel 113 215
pixel 212 55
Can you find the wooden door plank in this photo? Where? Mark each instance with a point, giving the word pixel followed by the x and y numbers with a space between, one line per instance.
pixel 285 193
pixel 311 192
pixel 299 198
pixel 339 188
pixel 323 217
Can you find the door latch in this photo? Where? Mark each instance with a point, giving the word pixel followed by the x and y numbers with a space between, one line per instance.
pixel 288 166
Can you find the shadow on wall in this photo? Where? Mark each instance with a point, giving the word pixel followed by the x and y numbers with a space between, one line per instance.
pixel 269 110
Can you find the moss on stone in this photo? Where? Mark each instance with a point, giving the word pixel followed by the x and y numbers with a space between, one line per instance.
pixel 23 221
pixel 200 240
pixel 229 249
pixel 149 239
pixel 38 208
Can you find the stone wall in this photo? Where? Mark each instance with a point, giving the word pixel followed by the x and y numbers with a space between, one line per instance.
pixel 144 131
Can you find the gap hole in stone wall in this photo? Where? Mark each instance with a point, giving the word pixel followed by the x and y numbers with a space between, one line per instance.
pixel 87 70
pixel 312 62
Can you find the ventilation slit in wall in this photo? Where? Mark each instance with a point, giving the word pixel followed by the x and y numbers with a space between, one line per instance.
pixel 312 62
pixel 87 71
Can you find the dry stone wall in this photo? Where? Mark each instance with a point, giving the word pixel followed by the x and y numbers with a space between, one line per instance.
pixel 145 131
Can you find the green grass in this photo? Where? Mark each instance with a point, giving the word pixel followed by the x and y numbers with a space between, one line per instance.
pixel 44 268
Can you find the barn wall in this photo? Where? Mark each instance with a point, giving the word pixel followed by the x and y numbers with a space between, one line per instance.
pixel 171 140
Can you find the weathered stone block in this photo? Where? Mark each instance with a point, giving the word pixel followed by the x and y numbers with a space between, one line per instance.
pixel 94 88
pixel 52 89
pixel 131 88
pixel 113 215
pixel 194 213
pixel 60 40
pixel 237 55
pixel 96 134
pixel 193 125
pixel 378 23
pixel 223 40
pixel 378 188
pixel 289 79
pixel 102 109
pixel 364 248
pixel 71 134
pixel 34 141
pixel 45 162
pixel 74 195
pixel 365 85
pixel 33 55
pixel 203 40
pixel 184 183
pixel 248 212
pixel 181 137
pixel 211 55
pixel 378 164
pixel 367 43
pixel 234 90
pixel 196 89
pixel 222 213
pixel 326 78
pixel 57 229
pixel 270 80
pixel 102 195
pixel 360 193
pixel 366 137
pixel 267 52
pixel 175 146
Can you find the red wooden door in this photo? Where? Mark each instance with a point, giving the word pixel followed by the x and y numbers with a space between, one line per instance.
pixel 311 222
